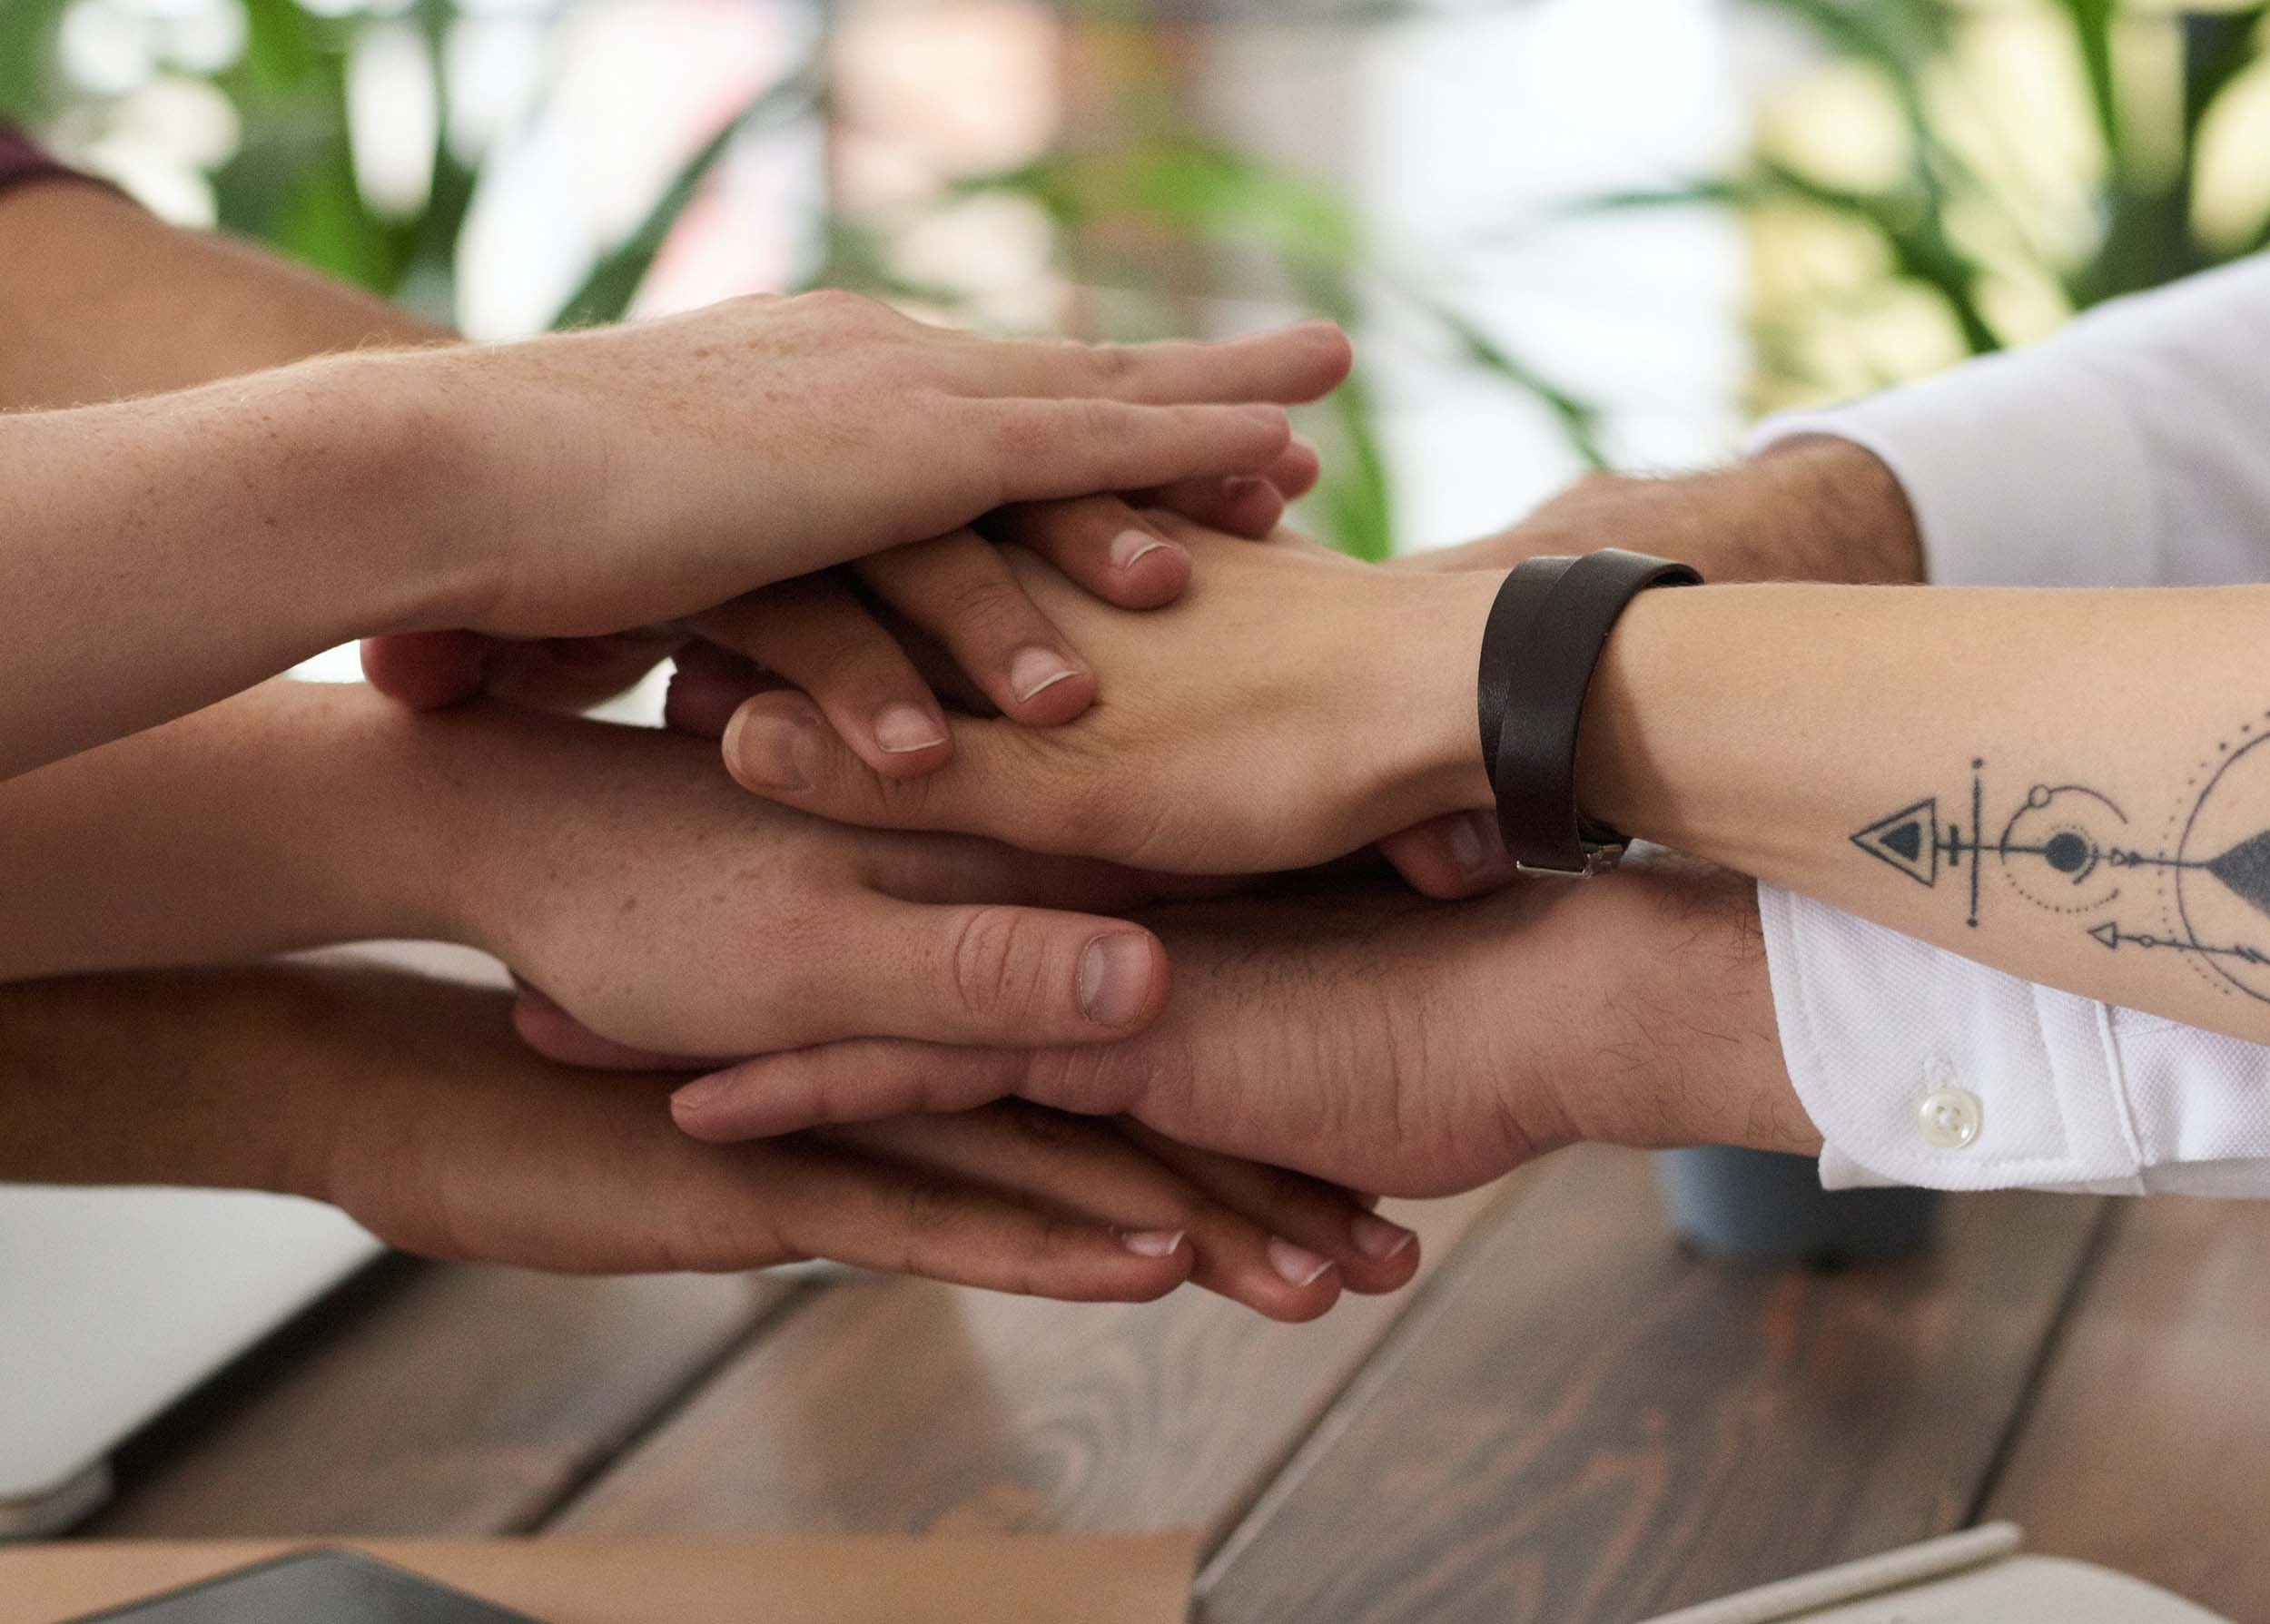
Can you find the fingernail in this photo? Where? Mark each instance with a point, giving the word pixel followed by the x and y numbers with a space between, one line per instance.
pixel 1035 670
pixel 700 1092
pixel 1131 548
pixel 901 729
pixel 776 751
pixel 1152 1243
pixel 1115 978
pixel 1295 1266
pixel 1380 1240
pixel 1469 848
pixel 1268 416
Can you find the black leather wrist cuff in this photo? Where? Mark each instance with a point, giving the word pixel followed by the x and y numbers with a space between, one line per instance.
pixel 1543 640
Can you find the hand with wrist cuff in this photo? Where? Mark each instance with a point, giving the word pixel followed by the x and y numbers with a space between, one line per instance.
pixel 1294 707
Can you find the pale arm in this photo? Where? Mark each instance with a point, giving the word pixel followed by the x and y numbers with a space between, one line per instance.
pixel 2062 784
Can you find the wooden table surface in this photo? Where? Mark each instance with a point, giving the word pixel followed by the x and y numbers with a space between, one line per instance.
pixel 1567 1418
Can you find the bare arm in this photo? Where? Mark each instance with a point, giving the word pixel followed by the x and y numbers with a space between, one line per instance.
pixel 112 301
pixel 409 1103
pixel 2066 785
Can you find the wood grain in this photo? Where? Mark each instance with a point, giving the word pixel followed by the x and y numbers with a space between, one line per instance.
pixel 900 1406
pixel 1591 1426
pixel 2148 1447
pixel 433 1399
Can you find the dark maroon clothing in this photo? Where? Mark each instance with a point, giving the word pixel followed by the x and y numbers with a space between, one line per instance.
pixel 23 159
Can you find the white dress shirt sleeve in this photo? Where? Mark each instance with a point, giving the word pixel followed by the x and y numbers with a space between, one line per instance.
pixel 2131 449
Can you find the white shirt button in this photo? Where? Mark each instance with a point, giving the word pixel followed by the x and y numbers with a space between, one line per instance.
pixel 1949 1119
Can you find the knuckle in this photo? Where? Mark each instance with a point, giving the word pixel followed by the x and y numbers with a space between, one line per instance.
pixel 835 304
pixel 991 961
pixel 1024 432
pixel 930 1205
pixel 1111 363
pixel 1089 816
pixel 1088 1080
pixel 1043 1129
pixel 981 597
pixel 1099 420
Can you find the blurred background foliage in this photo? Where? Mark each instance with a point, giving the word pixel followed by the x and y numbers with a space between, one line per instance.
pixel 1955 178
pixel 1928 179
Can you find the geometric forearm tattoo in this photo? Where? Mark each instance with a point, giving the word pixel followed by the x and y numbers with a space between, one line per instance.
pixel 2199 888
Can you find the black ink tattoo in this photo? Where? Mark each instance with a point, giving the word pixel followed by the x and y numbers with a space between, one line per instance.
pixel 2065 849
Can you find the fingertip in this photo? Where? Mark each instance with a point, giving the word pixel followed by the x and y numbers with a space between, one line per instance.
pixel 1124 981
pixel 1297 469
pixel 1251 508
pixel 1450 857
pixel 773 744
pixel 1337 349
pixel 1386 1255
pixel 1146 571
pixel 1045 687
pixel 904 740
pixel 1157 1277
pixel 703 1109
pixel 1291 1304
pixel 425 671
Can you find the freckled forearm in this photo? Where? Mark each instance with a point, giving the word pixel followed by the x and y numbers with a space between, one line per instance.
pixel 162 553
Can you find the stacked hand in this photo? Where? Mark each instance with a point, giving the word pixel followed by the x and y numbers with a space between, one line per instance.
pixel 1353 1034
pixel 407 1103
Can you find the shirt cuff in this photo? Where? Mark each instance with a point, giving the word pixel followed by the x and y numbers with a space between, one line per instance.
pixel 2022 470
pixel 1919 1067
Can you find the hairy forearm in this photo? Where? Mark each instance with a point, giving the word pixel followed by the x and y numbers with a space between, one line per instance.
pixel 293 815
pixel 1668 1035
pixel 110 301
pixel 2064 785
pixel 1807 509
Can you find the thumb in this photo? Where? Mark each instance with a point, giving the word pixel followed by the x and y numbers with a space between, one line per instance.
pixel 1460 854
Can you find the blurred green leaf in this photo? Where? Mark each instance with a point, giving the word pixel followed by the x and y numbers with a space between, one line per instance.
pixel 1579 422
pixel 27 57
pixel 1200 190
pixel 1355 495
pixel 608 291
pixel 2092 23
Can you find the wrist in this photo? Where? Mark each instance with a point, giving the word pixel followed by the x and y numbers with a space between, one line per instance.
pixel 1617 780
pixel 410 473
pixel 1425 655
pixel 1814 508
pixel 1693 1047
pixel 392 790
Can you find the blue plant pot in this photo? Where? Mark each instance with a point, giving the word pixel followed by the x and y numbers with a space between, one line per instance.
pixel 1761 1206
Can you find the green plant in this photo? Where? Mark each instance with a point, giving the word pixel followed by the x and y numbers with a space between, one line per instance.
pixel 1996 252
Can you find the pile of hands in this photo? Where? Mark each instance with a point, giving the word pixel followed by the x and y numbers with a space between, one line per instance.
pixel 1054 876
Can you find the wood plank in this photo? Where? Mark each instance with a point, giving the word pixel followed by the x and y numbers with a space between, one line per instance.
pixel 901 1407
pixel 1590 1425
pixel 2149 1444
pixel 432 1399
